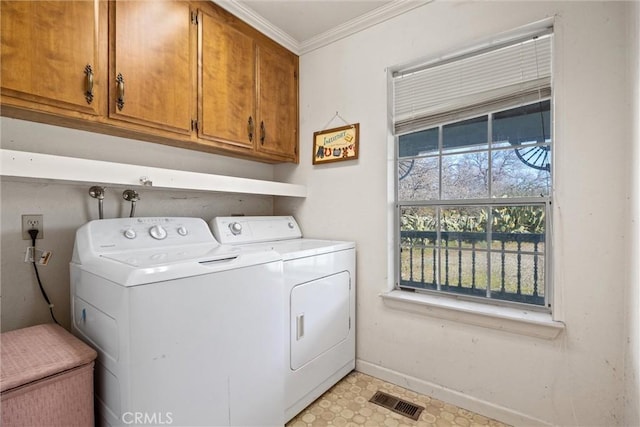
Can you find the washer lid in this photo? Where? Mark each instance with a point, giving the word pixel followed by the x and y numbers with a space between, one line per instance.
pixel 138 251
pixel 135 268
pixel 172 255
pixel 111 237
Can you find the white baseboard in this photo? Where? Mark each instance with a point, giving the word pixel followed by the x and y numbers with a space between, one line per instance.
pixel 453 397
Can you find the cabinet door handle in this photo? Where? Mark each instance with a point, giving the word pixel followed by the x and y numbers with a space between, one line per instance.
pixel 263 133
pixel 88 84
pixel 250 128
pixel 120 90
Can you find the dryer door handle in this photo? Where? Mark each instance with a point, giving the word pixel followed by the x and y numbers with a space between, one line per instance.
pixel 299 327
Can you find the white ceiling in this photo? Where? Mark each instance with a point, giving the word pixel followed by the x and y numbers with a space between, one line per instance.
pixel 305 25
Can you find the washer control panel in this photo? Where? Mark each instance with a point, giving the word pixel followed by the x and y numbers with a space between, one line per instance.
pixel 253 229
pixel 117 234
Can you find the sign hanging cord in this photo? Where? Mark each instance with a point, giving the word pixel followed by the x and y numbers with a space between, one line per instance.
pixel 333 118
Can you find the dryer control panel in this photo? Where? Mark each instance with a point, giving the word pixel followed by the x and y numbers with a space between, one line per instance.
pixel 254 229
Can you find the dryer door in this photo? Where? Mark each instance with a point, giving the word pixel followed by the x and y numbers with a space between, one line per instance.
pixel 319 317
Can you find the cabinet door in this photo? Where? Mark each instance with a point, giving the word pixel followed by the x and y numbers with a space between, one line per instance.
pixel 51 54
pixel 226 84
pixel 278 103
pixel 151 79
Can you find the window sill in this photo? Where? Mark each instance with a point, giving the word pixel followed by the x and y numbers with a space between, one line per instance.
pixel 515 320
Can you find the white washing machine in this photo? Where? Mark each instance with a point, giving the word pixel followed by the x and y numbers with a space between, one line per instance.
pixel 188 332
pixel 319 298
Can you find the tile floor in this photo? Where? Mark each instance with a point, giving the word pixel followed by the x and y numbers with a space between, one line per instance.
pixel 347 405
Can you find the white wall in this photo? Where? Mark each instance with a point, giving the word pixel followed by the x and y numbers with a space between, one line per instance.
pixel 577 379
pixel 632 361
pixel 66 207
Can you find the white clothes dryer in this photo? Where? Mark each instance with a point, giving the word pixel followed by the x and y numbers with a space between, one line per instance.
pixel 319 299
pixel 181 324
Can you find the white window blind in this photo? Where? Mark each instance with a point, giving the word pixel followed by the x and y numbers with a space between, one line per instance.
pixel 461 87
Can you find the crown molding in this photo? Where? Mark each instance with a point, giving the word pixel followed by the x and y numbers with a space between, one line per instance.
pixel 249 16
pixel 376 16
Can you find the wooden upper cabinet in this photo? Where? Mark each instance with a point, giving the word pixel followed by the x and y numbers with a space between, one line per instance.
pixel 183 73
pixel 226 96
pixel 54 55
pixel 278 103
pixel 151 73
pixel 248 89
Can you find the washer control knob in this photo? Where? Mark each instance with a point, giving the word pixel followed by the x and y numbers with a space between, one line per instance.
pixel 157 232
pixel 182 230
pixel 236 228
pixel 130 233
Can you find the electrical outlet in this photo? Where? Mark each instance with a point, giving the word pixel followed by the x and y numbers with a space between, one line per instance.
pixel 29 222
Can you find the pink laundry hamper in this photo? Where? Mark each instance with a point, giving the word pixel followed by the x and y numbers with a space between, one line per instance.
pixel 46 378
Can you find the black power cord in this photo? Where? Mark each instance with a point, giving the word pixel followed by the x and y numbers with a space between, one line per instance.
pixel 34 233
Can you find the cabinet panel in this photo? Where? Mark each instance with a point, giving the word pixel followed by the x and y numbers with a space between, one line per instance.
pixel 278 103
pixel 150 50
pixel 226 84
pixel 46 47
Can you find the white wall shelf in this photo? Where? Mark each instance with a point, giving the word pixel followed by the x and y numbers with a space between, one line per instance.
pixel 21 164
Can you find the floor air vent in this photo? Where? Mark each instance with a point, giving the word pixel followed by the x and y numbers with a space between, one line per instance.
pixel 398 406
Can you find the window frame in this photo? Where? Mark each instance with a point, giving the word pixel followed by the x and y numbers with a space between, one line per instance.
pixel 488 202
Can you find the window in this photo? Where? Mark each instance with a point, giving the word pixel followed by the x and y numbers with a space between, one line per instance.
pixel 473 183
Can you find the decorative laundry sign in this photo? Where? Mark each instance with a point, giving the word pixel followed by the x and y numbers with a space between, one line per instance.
pixel 337 144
